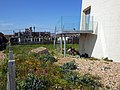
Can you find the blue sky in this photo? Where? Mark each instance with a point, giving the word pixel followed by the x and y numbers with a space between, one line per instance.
pixel 19 14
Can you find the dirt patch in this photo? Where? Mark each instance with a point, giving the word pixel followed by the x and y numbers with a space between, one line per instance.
pixel 2 55
pixel 109 72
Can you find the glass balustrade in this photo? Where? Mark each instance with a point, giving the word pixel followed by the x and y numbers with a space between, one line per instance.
pixel 68 24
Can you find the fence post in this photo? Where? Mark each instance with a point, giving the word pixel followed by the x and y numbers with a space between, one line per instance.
pixel 64 45
pixel 11 85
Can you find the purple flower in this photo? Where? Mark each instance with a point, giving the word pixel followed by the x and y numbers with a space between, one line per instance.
pixel 36 71
pixel 43 72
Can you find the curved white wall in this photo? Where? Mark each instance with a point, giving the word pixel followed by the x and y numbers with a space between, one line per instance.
pixel 107 14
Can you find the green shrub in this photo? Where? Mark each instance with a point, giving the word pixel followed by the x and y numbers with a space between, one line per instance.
pixel 34 83
pixel 69 65
pixel 3 74
pixel 72 78
pixel 20 84
pixel 88 80
pixel 47 58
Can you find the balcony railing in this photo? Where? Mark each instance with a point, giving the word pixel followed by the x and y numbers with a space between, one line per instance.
pixel 68 24
pixel 73 25
pixel 87 22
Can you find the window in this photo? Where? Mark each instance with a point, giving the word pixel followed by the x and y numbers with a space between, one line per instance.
pixel 87 12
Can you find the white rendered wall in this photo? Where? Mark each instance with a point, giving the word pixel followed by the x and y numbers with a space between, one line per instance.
pixel 107 14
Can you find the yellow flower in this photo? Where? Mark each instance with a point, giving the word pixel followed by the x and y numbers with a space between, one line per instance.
pixel 30 63
pixel 38 62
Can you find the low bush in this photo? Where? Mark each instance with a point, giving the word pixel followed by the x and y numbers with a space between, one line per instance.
pixel 3 74
pixel 69 65
pixel 72 78
pixel 47 58
pixel 33 83
pixel 90 81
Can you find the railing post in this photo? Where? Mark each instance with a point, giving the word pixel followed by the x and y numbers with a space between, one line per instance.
pixel 11 85
pixel 55 39
pixel 61 39
pixel 79 44
pixel 54 42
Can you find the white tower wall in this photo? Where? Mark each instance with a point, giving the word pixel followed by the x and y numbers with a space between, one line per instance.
pixel 107 15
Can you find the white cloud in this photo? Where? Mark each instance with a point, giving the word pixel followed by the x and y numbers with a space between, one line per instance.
pixel 6 24
pixel 6 27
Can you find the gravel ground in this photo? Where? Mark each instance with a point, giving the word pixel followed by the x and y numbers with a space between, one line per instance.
pixel 108 71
